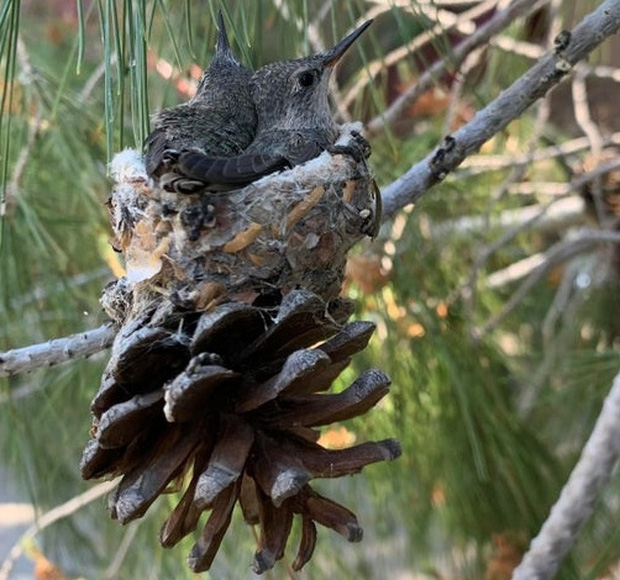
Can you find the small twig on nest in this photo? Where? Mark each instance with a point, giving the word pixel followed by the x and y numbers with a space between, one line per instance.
pixel 576 504
pixel 53 352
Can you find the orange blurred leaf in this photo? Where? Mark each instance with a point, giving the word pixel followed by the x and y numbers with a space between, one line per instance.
pixel 337 438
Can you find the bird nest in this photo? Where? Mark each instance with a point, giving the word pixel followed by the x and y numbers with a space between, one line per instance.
pixel 284 231
pixel 231 333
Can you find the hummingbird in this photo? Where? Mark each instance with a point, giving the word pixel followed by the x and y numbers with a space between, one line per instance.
pixel 295 123
pixel 220 120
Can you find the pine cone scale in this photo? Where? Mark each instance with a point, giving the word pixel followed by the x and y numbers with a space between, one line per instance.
pixel 300 366
pixel 228 459
pixel 188 394
pixel 275 527
pixel 204 550
pixel 314 410
pixel 123 422
pixel 306 544
pixel 184 518
pixel 141 486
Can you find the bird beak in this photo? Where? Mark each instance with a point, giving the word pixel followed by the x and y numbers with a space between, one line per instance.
pixel 332 56
pixel 221 44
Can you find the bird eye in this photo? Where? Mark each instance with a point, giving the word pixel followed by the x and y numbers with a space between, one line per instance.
pixel 306 79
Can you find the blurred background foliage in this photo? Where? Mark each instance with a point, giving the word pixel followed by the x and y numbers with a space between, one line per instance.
pixel 492 405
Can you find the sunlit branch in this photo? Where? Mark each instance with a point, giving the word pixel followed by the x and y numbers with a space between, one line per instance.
pixel 53 352
pixel 484 163
pixel 510 104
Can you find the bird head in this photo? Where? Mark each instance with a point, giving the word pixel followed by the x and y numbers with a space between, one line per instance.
pixel 292 94
pixel 225 74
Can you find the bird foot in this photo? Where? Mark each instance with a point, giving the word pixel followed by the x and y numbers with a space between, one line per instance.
pixel 358 148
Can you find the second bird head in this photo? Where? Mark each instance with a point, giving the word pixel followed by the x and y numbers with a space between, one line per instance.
pixel 293 93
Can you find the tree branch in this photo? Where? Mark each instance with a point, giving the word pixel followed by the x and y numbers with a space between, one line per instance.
pixel 585 37
pixel 502 19
pixel 576 504
pixel 53 352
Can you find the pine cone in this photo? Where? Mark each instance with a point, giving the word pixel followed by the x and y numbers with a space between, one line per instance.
pixel 243 414
pixel 218 381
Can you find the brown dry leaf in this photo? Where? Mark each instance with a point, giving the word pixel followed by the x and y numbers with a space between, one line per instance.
pixel 208 295
pixel 508 550
pixel 556 275
pixel 438 495
pixel 366 271
pixel 430 103
pixel 348 190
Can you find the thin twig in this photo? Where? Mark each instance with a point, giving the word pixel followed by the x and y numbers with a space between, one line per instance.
pixel 500 20
pixel 528 216
pixel 539 188
pixel 527 398
pixel 516 271
pixel 581 109
pixel 561 210
pixel 512 103
pixel 22 391
pixel 517 171
pixel 473 60
pixel 53 352
pixel 479 164
pixel 112 571
pixel 518 47
pixel 555 214
pixel 576 503
pixel 52 516
pixel 535 51
pixel 40 293
pixel 95 77
pixel 516 175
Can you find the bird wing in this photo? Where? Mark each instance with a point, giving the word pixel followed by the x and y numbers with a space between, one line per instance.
pixel 229 171
pixel 156 146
